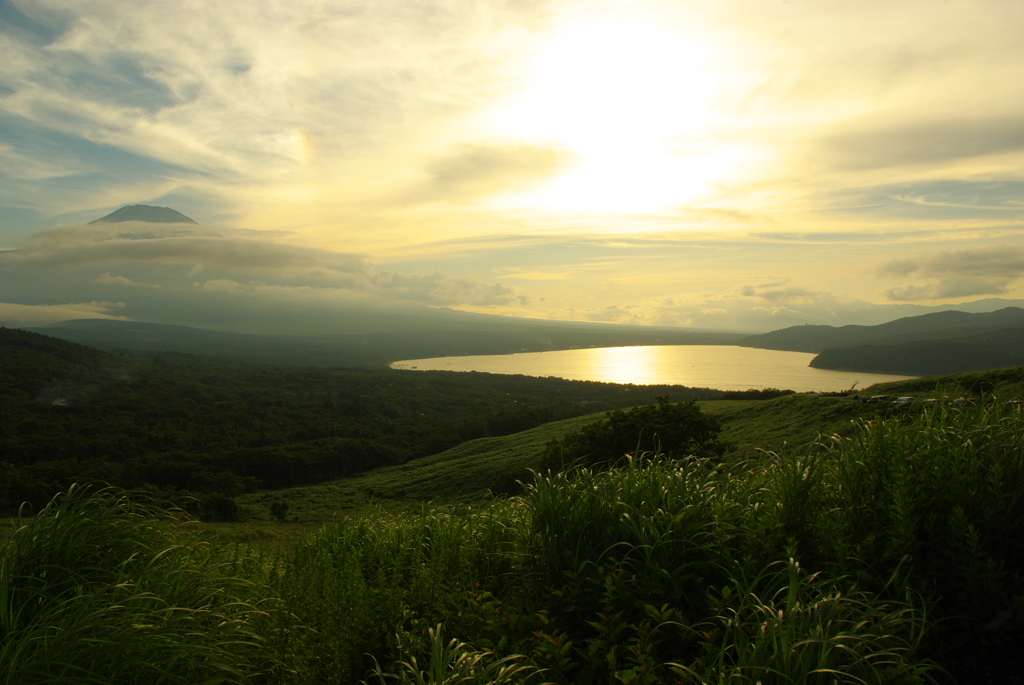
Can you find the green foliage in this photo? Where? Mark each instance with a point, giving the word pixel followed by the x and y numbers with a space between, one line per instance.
pixel 185 427
pixel 661 569
pixel 1006 383
pixel 627 554
pixel 397 574
pixel 455 663
pixel 667 569
pixel 786 626
pixel 464 475
pixel 788 423
pixel 987 350
pixel 678 430
pixel 944 490
pixel 279 510
pixel 756 394
pixel 595 577
pixel 38 366
pixel 95 589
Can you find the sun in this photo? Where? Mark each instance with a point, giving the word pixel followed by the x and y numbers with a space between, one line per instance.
pixel 635 104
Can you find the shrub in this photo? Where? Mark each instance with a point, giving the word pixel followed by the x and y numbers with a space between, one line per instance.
pixel 674 430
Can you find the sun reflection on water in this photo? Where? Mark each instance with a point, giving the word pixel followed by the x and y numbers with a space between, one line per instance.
pixel 723 367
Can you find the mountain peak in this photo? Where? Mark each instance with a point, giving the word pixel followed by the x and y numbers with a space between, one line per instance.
pixel 145 213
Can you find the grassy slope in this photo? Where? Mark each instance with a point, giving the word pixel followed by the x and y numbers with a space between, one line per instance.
pixel 794 420
pixel 465 474
pixel 460 475
pixel 1007 384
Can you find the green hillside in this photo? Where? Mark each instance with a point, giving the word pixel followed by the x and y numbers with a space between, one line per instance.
pixel 45 368
pixel 200 431
pixel 1005 384
pixel 461 475
pixel 987 350
pixel 928 345
pixel 468 473
pixel 934 326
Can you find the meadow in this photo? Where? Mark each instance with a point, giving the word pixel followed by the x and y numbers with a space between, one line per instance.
pixel 889 551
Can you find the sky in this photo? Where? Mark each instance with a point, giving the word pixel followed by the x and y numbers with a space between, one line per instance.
pixel 738 164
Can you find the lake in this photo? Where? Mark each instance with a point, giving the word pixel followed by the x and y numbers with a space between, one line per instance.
pixel 723 367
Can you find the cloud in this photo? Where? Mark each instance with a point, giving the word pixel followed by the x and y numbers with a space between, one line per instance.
pixel 626 314
pixel 107 279
pixel 470 171
pixel 243 99
pixel 233 262
pixel 957 273
pixel 20 315
pixel 996 262
pixel 140 243
pixel 440 289
pixel 775 292
pixel 920 206
pixel 774 308
pixel 946 290
pixel 436 289
pixel 537 274
pixel 853 129
pixel 936 142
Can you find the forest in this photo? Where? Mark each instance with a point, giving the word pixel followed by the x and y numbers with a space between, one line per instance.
pixel 199 431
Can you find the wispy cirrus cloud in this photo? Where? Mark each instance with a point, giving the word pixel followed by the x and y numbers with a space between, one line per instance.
pixel 239 97
pixel 470 171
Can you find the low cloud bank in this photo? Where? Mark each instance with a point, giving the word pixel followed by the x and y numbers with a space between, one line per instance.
pixel 23 315
pixel 957 273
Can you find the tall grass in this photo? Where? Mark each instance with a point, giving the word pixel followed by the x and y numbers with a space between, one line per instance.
pixel 661 570
pixel 95 589
pixel 842 562
pixel 938 497
pixel 785 626
pixel 455 663
pixel 651 564
pixel 354 585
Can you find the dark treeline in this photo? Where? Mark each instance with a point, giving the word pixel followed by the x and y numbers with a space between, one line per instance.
pixel 206 430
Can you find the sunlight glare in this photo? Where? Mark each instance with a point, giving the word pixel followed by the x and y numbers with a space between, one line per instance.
pixel 633 102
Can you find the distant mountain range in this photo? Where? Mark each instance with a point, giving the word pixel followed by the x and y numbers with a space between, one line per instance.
pixel 932 344
pixel 938 343
pixel 976 352
pixel 145 213
pixel 447 335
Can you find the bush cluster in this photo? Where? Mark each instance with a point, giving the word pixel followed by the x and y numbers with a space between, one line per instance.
pixel 664 428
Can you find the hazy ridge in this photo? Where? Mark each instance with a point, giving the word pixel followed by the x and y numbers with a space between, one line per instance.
pixel 449 334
